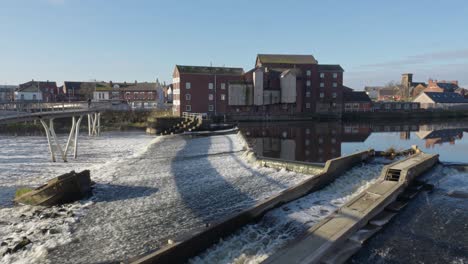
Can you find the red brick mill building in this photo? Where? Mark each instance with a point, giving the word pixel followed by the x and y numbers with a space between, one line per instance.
pixel 278 85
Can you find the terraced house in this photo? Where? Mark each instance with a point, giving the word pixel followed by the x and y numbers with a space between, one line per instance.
pixel 277 85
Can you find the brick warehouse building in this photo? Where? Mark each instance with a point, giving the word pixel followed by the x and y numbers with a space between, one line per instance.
pixel 279 84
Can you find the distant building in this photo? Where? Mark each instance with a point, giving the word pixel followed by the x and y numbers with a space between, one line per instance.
pixel 356 102
pixel 373 92
pixel 395 106
pixel 202 89
pixel 279 84
pixel 441 86
pixel 388 94
pixel 103 92
pixel 44 91
pixel 138 94
pixel 7 93
pixel 79 91
pixel 441 100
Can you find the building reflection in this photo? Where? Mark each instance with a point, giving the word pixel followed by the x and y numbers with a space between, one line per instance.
pixel 439 137
pixel 321 141
pixel 310 142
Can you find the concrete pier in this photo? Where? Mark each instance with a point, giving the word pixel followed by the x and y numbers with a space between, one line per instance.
pixel 329 241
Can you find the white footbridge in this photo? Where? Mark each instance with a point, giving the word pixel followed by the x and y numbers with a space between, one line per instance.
pixel 46 113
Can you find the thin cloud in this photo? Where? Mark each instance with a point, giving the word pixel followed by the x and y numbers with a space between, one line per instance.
pixel 423 58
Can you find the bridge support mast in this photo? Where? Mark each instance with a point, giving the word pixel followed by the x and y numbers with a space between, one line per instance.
pixel 94 124
pixel 53 142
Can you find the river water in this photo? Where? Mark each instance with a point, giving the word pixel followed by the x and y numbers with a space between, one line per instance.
pixel 180 181
pixel 320 141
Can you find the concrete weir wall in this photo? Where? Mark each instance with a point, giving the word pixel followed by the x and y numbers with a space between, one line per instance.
pixel 191 245
pixel 329 240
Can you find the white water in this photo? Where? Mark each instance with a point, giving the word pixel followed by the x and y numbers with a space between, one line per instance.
pixel 145 194
pixel 255 242
pixel 25 161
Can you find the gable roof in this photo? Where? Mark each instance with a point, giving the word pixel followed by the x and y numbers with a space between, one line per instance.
pixel 356 96
pixel 43 86
pixel 209 70
pixel 285 59
pixel 446 98
pixel 448 87
pixel 330 67
pixel 143 86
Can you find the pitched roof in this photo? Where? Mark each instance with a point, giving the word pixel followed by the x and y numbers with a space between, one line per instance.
pixel 209 70
pixel 143 86
pixel 448 87
pixel 414 84
pixel 285 59
pixel 356 97
pixel 446 98
pixel 330 67
pixel 42 85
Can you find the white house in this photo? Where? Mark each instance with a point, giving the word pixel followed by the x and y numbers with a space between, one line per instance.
pixel 445 100
pixel 30 93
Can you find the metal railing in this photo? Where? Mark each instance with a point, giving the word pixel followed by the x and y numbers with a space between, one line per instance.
pixel 198 116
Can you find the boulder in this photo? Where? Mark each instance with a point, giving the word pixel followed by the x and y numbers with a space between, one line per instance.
pixel 65 188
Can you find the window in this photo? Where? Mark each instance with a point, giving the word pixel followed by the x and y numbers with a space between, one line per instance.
pixel 34 97
pixel 322 85
pixel 188 108
pixel 322 75
pixel 322 95
pixel 335 85
pixel 188 85
pixel 223 97
pixel 210 86
pixel 308 106
pixel 356 106
pixel 223 86
pixel 285 106
pixel 335 75
pixel 188 97
pixel 210 107
pixel 210 97
pixel 348 106
pixel 334 95
pixel 398 106
pixel 387 106
pixel 307 94
pixel 308 83
pixel 308 73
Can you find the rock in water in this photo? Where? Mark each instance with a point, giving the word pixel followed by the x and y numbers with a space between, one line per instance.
pixel 66 188
pixel 23 243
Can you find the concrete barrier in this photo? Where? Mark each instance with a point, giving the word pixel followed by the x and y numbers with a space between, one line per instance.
pixel 193 244
pixel 328 241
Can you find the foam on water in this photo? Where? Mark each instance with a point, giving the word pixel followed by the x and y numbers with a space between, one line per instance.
pixel 255 242
pixel 25 161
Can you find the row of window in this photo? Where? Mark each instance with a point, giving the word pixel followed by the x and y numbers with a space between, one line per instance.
pixel 188 85
pixel 189 108
pixel 322 95
pixel 322 74
pixel 188 97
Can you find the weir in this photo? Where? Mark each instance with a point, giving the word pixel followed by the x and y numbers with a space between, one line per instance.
pixel 339 236
pixel 393 180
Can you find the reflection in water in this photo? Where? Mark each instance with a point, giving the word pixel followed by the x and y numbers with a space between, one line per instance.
pixel 320 141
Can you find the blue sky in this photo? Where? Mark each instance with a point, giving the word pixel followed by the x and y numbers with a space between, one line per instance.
pixel 127 40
